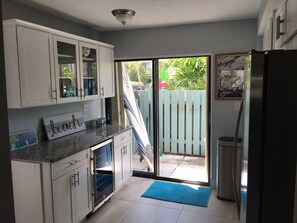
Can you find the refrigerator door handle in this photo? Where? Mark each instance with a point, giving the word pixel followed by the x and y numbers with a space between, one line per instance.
pixel 234 160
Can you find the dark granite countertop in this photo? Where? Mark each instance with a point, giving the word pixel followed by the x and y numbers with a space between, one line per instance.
pixel 52 151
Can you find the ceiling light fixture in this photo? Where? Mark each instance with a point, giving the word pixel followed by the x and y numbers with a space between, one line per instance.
pixel 123 15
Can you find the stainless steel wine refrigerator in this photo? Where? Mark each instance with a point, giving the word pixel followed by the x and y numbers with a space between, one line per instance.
pixel 102 173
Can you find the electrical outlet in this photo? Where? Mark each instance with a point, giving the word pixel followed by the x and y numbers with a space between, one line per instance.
pixel 86 107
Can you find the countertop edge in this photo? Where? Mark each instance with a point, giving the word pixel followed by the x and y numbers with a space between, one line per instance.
pixel 58 149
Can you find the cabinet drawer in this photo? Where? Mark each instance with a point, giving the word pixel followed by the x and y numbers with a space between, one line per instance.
pixel 68 164
pixel 122 138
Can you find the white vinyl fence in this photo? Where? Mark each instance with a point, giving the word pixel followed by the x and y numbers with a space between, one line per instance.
pixel 182 120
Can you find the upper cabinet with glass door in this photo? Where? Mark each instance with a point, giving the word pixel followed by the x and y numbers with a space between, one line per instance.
pixel 67 68
pixel 73 68
pixel 89 78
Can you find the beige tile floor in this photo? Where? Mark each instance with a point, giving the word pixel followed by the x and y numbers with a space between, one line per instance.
pixel 127 206
pixel 177 166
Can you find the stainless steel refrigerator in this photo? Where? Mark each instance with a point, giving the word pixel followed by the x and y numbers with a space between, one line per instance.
pixel 268 165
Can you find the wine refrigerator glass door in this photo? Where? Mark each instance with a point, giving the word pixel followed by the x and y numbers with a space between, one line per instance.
pixel 102 173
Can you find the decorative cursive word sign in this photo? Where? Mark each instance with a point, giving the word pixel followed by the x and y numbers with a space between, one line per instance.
pixel 62 125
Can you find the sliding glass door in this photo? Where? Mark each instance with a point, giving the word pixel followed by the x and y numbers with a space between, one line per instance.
pixel 175 122
pixel 140 75
pixel 182 118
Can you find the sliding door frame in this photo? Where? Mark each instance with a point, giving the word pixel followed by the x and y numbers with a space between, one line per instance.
pixel 156 135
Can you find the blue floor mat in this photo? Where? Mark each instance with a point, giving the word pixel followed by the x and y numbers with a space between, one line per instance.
pixel 179 193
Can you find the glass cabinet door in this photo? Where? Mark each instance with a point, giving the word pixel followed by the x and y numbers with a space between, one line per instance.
pixel 67 63
pixel 89 70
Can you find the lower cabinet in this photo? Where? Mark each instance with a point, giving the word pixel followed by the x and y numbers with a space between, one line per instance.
pixel 122 158
pixel 27 192
pixel 60 192
pixel 57 192
pixel 82 192
pixel 71 195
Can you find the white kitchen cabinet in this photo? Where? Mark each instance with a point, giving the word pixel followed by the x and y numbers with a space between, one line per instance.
pixel 268 38
pixel 82 192
pixel 67 69
pixel 32 190
pixel 106 67
pixel 71 192
pixel 89 70
pixel 27 192
pixel 280 25
pixel 63 198
pixel 291 19
pixel 57 192
pixel 46 66
pixel 285 23
pixel 29 71
pixel 122 158
pixel 76 67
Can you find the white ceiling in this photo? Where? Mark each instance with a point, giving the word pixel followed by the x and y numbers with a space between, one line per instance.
pixel 149 13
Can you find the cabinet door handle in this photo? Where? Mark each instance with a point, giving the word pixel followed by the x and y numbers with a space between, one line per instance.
pixel 83 93
pixel 80 94
pixel 124 150
pixel 76 180
pixel 279 21
pixel 102 91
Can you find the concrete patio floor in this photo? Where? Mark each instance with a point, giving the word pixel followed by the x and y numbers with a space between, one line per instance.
pixel 177 166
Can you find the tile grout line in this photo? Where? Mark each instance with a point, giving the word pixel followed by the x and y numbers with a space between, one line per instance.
pixel 179 216
pixel 211 215
pixel 130 209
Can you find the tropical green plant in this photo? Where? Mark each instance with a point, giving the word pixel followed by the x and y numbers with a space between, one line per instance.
pixel 67 72
pixel 190 73
pixel 137 72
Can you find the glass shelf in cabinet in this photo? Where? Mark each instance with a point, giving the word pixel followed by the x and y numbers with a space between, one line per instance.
pixel 89 59
pixel 65 56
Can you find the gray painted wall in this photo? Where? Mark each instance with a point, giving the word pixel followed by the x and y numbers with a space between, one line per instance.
pixel 30 118
pixel 196 39
pixel 26 119
pixel 12 9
